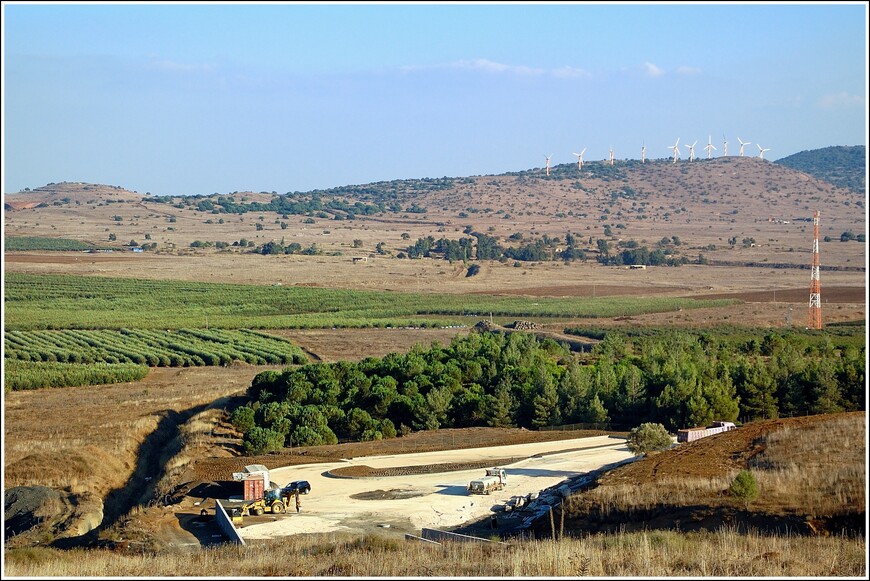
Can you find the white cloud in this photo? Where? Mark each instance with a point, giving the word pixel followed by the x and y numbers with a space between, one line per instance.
pixel 567 72
pixel 492 67
pixel 841 99
pixel 653 70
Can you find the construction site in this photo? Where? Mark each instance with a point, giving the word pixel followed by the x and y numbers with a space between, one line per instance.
pixel 405 494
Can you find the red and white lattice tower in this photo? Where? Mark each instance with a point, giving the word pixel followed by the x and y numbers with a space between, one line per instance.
pixel 815 285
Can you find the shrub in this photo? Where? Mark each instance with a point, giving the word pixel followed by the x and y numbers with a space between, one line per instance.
pixel 744 487
pixel 262 441
pixel 243 418
pixel 648 437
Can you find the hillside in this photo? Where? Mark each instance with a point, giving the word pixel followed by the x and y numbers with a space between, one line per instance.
pixel 68 193
pixel 842 165
pixel 731 210
pixel 811 474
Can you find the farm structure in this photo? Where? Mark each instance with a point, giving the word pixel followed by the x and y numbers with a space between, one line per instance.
pixel 692 434
pixel 255 478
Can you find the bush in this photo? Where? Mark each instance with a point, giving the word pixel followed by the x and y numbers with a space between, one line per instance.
pixel 648 437
pixel 744 487
pixel 262 441
pixel 243 419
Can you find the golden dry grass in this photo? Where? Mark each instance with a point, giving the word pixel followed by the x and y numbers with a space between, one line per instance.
pixel 816 468
pixel 88 438
pixel 821 468
pixel 725 553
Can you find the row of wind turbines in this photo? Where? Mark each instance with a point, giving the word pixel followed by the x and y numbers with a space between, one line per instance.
pixel 676 149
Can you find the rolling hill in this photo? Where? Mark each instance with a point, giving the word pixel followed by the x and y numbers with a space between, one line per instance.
pixel 727 210
pixel 842 165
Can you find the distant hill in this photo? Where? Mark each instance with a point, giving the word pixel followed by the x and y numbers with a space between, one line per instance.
pixel 841 165
pixel 61 193
pixel 720 211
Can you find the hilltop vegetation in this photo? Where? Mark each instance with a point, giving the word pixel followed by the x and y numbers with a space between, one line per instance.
pixel 842 165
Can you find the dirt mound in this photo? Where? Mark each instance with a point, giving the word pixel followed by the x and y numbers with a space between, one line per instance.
pixel 31 511
pixel 369 472
pixel 485 327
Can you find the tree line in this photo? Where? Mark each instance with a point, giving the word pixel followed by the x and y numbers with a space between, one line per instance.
pixel 678 379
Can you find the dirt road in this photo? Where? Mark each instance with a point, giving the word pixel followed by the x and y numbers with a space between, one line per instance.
pixel 438 500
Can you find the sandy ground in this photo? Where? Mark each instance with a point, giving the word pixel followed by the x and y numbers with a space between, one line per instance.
pixel 426 500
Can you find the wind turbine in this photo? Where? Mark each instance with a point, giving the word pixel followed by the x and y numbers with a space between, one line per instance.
pixel 643 153
pixel 709 145
pixel 742 145
pixel 725 150
pixel 548 163
pixel 676 148
pixel 611 155
pixel 761 151
pixel 580 159
pixel 692 150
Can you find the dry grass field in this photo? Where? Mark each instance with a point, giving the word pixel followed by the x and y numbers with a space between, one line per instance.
pixel 110 442
pixel 811 469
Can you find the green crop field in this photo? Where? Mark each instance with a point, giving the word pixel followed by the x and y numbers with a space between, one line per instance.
pixel 183 348
pixel 20 243
pixel 21 375
pixel 73 302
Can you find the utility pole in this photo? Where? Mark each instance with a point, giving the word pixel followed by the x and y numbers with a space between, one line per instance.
pixel 815 285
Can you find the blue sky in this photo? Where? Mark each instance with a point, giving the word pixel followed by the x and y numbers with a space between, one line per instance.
pixel 205 98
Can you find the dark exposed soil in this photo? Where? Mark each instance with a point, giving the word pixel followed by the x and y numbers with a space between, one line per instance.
pixel 221 469
pixel 392 494
pixel 368 472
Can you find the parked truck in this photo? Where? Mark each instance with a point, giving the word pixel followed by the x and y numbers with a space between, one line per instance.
pixel 495 479
pixel 692 434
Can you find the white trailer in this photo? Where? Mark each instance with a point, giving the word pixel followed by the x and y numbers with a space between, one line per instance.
pixel 495 479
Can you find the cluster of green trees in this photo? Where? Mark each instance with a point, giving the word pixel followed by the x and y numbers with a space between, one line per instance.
pixel 678 379
pixel 314 203
pixel 546 248
pixel 488 248
pixel 275 247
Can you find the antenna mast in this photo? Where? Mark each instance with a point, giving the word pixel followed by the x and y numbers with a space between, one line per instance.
pixel 815 285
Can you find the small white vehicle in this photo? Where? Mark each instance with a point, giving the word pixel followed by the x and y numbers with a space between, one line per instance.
pixel 495 479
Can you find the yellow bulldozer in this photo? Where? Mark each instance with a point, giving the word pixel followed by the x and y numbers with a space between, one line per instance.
pixel 275 501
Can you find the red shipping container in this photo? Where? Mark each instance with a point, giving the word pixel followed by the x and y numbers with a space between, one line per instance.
pixel 253 488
